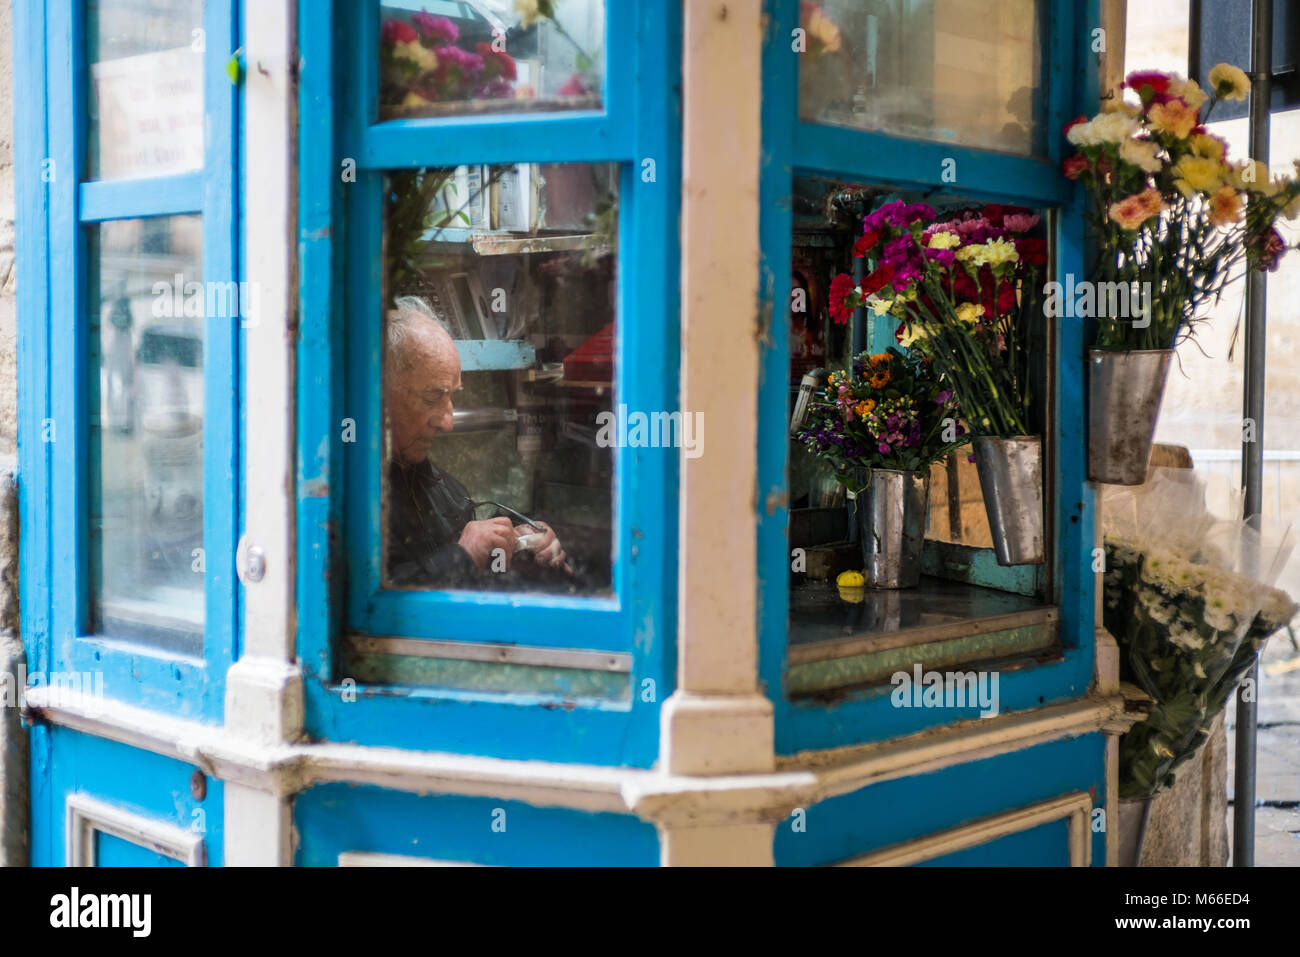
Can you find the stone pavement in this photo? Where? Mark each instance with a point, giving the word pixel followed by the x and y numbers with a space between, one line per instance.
pixel 1277 779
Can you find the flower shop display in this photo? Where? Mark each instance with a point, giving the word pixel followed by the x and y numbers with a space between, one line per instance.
pixel 1191 600
pixel 966 292
pixel 422 63
pixel 1175 222
pixel 881 425
pixel 427 67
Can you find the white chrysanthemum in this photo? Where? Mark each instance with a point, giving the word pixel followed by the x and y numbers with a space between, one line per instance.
pixel 1217 614
pixel 1103 128
pixel 1161 613
pixel 1277 608
pixel 1186 638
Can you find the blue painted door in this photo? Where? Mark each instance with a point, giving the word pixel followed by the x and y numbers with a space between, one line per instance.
pixel 129 441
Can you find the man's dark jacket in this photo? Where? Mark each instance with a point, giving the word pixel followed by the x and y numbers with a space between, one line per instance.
pixel 427 511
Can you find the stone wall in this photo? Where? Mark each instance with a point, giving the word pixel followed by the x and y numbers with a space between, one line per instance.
pixel 13 741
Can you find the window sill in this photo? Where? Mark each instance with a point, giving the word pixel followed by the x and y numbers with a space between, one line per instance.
pixel 836 644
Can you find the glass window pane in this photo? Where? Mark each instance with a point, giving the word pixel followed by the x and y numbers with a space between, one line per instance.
pixel 962 71
pixel 146 432
pixel 146 87
pixel 444 58
pixel 499 375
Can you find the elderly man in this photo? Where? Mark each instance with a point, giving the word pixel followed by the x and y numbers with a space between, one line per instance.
pixel 433 537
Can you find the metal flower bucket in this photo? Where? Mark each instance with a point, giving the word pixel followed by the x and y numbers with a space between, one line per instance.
pixel 890 512
pixel 1011 478
pixel 1125 389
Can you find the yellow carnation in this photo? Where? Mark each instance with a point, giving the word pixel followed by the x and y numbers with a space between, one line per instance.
pixel 1229 82
pixel 414 52
pixel 944 240
pixel 1198 174
pixel 1251 175
pixel 969 312
pixel 1210 147
pixel 1190 92
pixel 527 11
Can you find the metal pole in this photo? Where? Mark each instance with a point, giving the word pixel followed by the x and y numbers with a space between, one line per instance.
pixel 1252 449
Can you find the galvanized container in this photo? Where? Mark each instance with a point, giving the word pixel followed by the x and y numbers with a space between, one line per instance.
pixel 1011 478
pixel 891 512
pixel 1125 389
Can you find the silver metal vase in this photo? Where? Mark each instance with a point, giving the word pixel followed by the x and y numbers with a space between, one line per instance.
pixel 1125 389
pixel 1011 478
pixel 891 513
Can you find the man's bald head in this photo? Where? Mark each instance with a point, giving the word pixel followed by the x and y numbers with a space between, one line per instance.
pixel 421 373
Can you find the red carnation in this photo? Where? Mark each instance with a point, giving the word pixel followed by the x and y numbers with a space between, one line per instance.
pixel 498 62
pixel 1159 82
pixel 1032 251
pixel 866 244
pixel 398 31
pixel 1075 166
pixel 1006 297
pixel 876 281
pixel 1081 118
pixel 841 287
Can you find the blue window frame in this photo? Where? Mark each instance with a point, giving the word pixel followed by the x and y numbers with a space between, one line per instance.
pixel 339 586
pixel 61 209
pixel 791 147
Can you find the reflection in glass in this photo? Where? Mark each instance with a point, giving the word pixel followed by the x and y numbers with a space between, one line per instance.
pixel 146 432
pixel 499 359
pixel 961 71
pixel 146 87
pixel 440 59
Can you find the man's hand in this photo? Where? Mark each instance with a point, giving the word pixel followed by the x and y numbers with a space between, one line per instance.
pixel 546 549
pixel 480 539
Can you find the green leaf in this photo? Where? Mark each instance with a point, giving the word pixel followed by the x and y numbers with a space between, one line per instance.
pixel 235 66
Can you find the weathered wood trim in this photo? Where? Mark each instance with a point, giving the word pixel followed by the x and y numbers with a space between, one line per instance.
pixel 498 653
pixel 870 644
pixel 1075 808
pixel 667 799
pixel 85 816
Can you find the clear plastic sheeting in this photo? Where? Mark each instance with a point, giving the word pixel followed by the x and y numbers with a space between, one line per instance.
pixel 1191 598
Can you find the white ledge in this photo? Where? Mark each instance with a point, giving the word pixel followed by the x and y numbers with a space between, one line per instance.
pixel 671 800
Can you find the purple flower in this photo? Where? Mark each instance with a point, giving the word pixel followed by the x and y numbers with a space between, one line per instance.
pixel 944 257
pixel 435 28
pixel 883 448
pixel 466 63
pixel 943 397
pixel 919 211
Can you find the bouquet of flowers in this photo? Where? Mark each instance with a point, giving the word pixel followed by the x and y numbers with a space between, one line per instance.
pixel 964 290
pixel 1168 206
pixel 890 411
pixel 1190 600
pixel 420 63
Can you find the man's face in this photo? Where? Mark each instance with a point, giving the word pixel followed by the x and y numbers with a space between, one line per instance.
pixel 419 391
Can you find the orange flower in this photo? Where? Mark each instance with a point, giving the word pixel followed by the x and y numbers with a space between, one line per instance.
pixel 1132 212
pixel 1174 117
pixel 1225 206
pixel 863 408
pixel 880 379
pixel 880 358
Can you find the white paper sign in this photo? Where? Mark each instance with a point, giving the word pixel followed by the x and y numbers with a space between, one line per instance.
pixel 150 113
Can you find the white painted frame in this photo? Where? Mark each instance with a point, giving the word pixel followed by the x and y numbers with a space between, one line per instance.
pixel 1075 808
pixel 371 859
pixel 86 816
